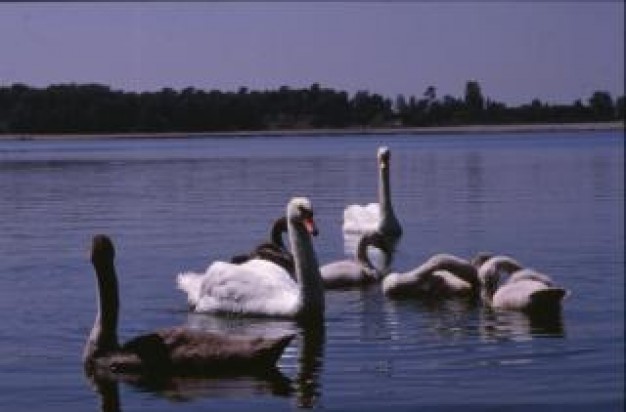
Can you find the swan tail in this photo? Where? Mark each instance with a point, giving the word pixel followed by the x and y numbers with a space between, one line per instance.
pixel 191 284
pixel 547 299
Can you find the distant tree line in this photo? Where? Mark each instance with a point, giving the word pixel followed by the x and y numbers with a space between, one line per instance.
pixel 93 108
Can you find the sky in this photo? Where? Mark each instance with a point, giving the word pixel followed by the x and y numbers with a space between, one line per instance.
pixel 517 50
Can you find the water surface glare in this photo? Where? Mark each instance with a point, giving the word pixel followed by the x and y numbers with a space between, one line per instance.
pixel 554 201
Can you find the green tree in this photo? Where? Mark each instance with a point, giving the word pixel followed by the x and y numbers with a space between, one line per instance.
pixel 619 108
pixel 474 100
pixel 601 105
pixel 430 94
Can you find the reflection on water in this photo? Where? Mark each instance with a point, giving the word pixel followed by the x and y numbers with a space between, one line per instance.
pixel 311 342
pixel 109 392
pixel 450 317
pixel 185 389
pixel 301 367
pixel 518 326
pixel 445 318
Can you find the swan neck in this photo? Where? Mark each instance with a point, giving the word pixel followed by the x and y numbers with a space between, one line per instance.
pixel 490 272
pixel 362 257
pixel 462 270
pixel 103 336
pixel 306 271
pixel 278 228
pixel 389 224
pixel 384 192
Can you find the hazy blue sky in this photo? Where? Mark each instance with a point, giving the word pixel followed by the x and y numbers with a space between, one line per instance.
pixel 557 51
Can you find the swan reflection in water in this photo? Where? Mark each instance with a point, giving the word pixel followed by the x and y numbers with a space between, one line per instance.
pixel 464 317
pixel 303 359
pixel 497 325
pixel 445 317
pixel 183 388
pixel 297 374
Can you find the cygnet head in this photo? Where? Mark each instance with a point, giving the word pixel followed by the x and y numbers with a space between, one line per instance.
pixel 299 209
pixel 384 155
pixel 102 250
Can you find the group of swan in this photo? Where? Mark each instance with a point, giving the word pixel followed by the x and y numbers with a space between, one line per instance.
pixel 271 281
pixel 444 276
pixel 275 281
pixel 260 283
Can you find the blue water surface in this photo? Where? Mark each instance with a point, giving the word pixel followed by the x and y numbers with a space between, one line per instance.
pixel 554 201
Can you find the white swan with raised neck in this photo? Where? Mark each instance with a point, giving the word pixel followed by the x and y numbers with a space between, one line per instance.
pixel 379 217
pixel 260 288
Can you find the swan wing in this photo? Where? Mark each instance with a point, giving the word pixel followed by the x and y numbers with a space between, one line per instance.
pixel 414 283
pixel 256 287
pixel 342 273
pixel 517 295
pixel 451 283
pixel 426 281
pixel 210 352
pixel 267 269
pixel 359 219
pixel 530 274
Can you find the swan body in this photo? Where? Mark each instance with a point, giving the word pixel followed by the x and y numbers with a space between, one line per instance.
pixel 441 276
pixel 167 351
pixel 525 289
pixel 361 219
pixel 379 217
pixel 256 287
pixel 344 273
pixel 259 287
pixel 273 251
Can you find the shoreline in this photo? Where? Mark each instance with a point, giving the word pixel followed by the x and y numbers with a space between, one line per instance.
pixel 433 130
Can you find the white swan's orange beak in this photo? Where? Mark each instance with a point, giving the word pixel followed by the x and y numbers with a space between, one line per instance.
pixel 311 227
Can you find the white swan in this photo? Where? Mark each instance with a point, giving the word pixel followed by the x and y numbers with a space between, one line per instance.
pixel 361 271
pixel 257 287
pixel 441 276
pixel 525 290
pixel 379 216
pixel 170 351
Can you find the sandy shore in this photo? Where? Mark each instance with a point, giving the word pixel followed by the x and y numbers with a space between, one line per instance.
pixel 469 129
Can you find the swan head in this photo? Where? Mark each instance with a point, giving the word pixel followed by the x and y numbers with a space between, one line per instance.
pixel 384 154
pixel 102 250
pixel 491 269
pixel 300 210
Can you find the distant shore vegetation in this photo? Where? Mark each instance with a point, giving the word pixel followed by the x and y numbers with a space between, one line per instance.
pixel 95 108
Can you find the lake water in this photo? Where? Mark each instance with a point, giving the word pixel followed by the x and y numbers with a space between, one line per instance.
pixel 554 201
